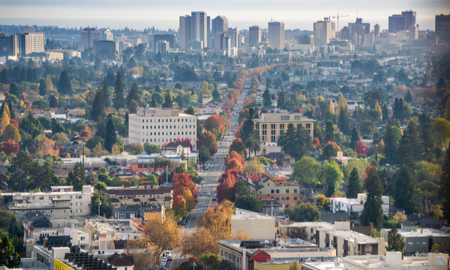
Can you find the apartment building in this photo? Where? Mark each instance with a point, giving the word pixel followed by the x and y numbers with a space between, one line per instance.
pixel 144 194
pixel 269 125
pixel 61 202
pixel 244 254
pixel 338 236
pixel 157 126
pixel 355 205
pixel 421 239
pixel 280 190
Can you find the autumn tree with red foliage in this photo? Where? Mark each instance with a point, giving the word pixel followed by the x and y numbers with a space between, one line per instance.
pixel 179 206
pixel 185 194
pixel 234 155
pixel 188 142
pixel 238 146
pixel 182 180
pixel 208 140
pixel 361 148
pixel 298 110
pixel 316 143
pixel 10 147
pixel 14 123
pixel 216 125
pixel 226 188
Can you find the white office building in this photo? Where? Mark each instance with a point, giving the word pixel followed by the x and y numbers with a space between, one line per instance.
pixel 355 205
pixel 156 126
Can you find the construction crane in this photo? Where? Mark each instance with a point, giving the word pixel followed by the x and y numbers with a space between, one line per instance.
pixel 337 17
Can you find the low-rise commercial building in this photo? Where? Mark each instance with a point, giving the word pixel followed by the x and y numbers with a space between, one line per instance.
pixel 394 261
pixel 355 205
pixel 145 193
pixel 157 126
pixel 269 125
pixel 421 239
pixel 258 226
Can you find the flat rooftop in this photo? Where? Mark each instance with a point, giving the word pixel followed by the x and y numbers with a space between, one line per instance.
pixel 425 232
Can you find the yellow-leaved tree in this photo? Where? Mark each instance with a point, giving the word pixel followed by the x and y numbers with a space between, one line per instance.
pixel 342 104
pixel 331 107
pixel 163 234
pixel 378 108
pixel 11 132
pixel 4 121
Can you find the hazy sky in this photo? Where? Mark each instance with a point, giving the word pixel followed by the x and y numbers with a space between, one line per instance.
pixel 164 14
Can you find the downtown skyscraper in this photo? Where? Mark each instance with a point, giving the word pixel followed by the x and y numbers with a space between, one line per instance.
pixel 194 28
pixel 276 35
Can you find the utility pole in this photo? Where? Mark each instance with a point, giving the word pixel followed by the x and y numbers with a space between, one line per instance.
pixel 337 19
pixel 99 204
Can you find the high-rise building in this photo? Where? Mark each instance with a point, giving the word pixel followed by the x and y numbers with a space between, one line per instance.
pixel 410 18
pixel 208 30
pixel 107 35
pixel 170 38
pixel 276 35
pixel 162 46
pixel 345 33
pixel 254 33
pixel 107 47
pixel 88 35
pixel 233 34
pixel 185 31
pixel 442 27
pixel 413 32
pixel 31 43
pixel 6 44
pixel 219 24
pixel 323 31
pixel 376 30
pixel 359 27
pixel 199 25
pixel 397 23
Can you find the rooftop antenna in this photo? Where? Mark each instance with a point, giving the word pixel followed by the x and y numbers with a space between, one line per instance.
pixel 271 19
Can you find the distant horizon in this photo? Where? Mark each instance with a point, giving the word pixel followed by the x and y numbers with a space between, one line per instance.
pixel 141 14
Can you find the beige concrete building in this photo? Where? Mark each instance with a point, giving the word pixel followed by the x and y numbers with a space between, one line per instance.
pixel 257 225
pixel 269 125
pixel 323 32
pixel 276 35
pixel 394 261
pixel 157 126
pixel 88 36
pixel 32 43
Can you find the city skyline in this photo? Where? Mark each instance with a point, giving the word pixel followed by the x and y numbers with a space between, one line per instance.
pixel 139 14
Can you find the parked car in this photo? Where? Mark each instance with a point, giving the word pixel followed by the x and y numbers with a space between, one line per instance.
pixel 168 255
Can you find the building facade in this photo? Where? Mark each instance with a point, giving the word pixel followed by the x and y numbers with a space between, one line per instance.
pixel 276 35
pixel 106 46
pixel 32 43
pixel 219 24
pixel 269 125
pixel 254 36
pixel 397 23
pixel 162 47
pixel 442 27
pixel 88 36
pixel 323 32
pixel 185 31
pixel 157 126
pixel 199 27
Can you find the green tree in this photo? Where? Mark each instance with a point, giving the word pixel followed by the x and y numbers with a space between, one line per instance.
pixel 354 184
pixel 12 113
pixel 203 154
pixel 445 186
pixel 354 138
pixel 106 94
pixel 168 100
pixel 395 240
pixel 111 137
pixel 267 99
pixel 151 148
pixel 119 100
pixel 133 94
pixel 98 106
pixel 190 110
pixel 390 144
pixel 344 121
pixel 414 139
pixel 308 172
pixel 405 153
pixel 4 77
pixel 280 101
pixel 8 257
pixel 333 177
pixel 406 195
pixel 373 211
pixel 64 84
pixel 427 141
pixel 14 90
pixel 329 132
pixel 216 94
pixel 302 212
pixel 385 113
pixel 250 203
pixel 153 101
pixel 77 177
pixel 42 87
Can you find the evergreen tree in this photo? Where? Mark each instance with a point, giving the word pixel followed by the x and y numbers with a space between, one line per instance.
pixel 42 87
pixel 78 177
pixel 427 140
pixel 4 77
pixel 64 84
pixel 110 135
pixel 354 138
pixel 200 98
pixel 119 100
pixel 216 94
pixel 134 93
pixel 405 154
pixel 373 211
pixel 110 79
pixel 98 107
pixel 354 184
pixel 444 192
pixel 408 96
pixel 329 132
pixel 280 101
pixel 23 75
pixel 385 113
pixel 190 110
pixel 414 139
pixel 318 133
pixel 53 102
pixel 344 121
pixel 153 102
pixel 398 110
pixel 267 99
pixel 8 257
pixel 395 240
pixel 168 100
pixel 390 147
pixel 406 195
pixel 14 90
pixel 12 113
pixel 106 94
